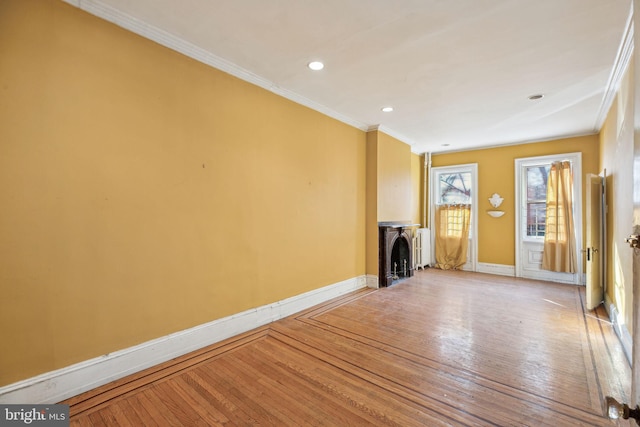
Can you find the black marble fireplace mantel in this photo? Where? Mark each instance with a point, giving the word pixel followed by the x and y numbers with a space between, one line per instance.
pixel 397 224
pixel 395 252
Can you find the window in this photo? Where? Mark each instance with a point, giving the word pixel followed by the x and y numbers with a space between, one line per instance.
pixel 536 203
pixel 455 188
pixel 454 203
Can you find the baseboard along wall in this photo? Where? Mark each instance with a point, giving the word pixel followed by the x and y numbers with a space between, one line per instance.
pixel 619 327
pixel 499 269
pixel 61 384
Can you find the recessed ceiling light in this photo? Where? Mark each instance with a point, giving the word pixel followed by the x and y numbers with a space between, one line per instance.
pixel 387 109
pixel 316 65
pixel 536 96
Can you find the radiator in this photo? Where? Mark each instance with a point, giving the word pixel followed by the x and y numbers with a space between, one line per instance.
pixel 421 248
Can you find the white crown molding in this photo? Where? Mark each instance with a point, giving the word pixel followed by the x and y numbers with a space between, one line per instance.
pixel 55 386
pixel 173 42
pixel 623 57
pixel 518 142
pixel 399 137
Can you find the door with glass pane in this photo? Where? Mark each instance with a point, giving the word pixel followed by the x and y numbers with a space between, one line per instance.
pixel 452 208
pixel 531 204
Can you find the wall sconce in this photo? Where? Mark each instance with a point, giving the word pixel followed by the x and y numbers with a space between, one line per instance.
pixel 495 201
pixel 615 410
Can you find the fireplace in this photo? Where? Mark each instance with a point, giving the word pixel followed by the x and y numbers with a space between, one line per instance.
pixel 394 252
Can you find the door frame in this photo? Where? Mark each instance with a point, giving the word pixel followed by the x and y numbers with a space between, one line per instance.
pixel 576 164
pixel 467 167
pixel 635 226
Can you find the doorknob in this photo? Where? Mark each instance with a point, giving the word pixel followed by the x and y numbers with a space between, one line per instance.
pixel 589 251
pixel 633 240
pixel 616 410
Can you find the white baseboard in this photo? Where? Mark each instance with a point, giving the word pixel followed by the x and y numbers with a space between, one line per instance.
pixel 372 281
pixel 500 269
pixel 619 327
pixel 61 384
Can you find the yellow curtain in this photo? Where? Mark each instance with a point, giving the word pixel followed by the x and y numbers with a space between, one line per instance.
pixel 559 253
pixel 452 235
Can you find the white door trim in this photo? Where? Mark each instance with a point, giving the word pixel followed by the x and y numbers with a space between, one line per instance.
pixel 576 160
pixel 468 167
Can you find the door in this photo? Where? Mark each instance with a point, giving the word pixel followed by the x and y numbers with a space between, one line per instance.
pixel 594 253
pixel 455 185
pixel 531 203
pixel 635 226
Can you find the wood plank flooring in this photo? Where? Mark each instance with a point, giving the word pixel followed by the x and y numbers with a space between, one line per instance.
pixel 443 348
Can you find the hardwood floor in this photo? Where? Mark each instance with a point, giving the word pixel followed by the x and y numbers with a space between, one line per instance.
pixel 438 349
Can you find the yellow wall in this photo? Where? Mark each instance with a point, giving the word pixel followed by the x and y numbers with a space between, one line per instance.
pixel 496 174
pixel 394 179
pixel 143 193
pixel 417 184
pixel 390 188
pixel 372 203
pixel 616 156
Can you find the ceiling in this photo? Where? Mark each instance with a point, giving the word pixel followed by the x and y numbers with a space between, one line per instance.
pixel 458 73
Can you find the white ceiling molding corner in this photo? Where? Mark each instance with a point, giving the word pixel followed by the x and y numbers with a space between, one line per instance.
pixel 392 133
pixel 623 58
pixel 463 71
pixel 519 142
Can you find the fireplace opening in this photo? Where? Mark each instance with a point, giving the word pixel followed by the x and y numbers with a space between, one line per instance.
pixel 400 262
pixel 395 252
